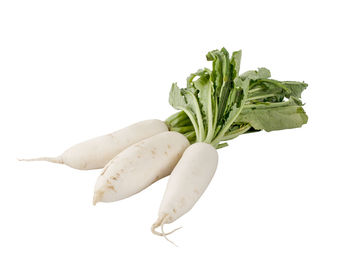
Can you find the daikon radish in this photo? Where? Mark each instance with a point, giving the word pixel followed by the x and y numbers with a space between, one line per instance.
pixel 97 152
pixel 187 183
pixel 139 166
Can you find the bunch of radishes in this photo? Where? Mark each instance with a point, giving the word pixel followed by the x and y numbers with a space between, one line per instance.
pixel 216 105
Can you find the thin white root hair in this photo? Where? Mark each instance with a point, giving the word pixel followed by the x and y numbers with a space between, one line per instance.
pixel 49 159
pixel 160 223
pixel 165 234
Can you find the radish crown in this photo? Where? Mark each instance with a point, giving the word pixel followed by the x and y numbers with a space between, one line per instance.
pixel 220 104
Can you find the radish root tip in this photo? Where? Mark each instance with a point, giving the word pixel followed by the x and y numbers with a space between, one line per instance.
pixel 160 223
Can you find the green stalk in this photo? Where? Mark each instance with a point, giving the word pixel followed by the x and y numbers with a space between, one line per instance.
pixel 211 130
pixel 201 133
pixel 228 125
pixel 256 89
pixel 236 133
pixel 193 121
pixel 176 118
pixel 173 117
pixel 191 136
pixel 264 104
pixel 260 97
pixel 182 130
pixel 277 83
pixel 221 145
pixel 211 126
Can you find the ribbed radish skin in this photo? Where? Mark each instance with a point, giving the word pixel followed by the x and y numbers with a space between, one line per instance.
pixel 139 166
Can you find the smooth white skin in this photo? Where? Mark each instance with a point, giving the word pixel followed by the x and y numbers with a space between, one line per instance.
pixel 97 152
pixel 139 166
pixel 187 183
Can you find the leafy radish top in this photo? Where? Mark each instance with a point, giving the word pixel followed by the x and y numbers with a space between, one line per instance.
pixel 220 104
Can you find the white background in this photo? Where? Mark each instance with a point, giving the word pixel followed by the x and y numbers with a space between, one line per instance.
pixel 72 70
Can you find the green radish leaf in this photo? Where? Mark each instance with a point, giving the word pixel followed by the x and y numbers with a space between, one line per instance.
pixel 227 84
pixel 261 73
pixel 216 74
pixel 270 117
pixel 219 104
pixel 240 100
pixel 206 100
pixel 274 91
pixel 242 92
pixel 186 100
pixel 236 63
pixel 178 100
pixel 200 73
pixel 296 88
pixel 266 92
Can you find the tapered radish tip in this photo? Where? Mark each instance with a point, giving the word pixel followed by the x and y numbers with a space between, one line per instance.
pixel 97 197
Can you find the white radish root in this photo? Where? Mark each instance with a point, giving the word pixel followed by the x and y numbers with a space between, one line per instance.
pixel 97 152
pixel 186 184
pixel 139 166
